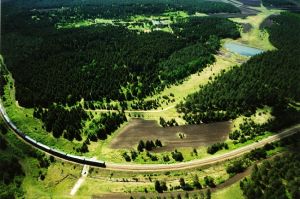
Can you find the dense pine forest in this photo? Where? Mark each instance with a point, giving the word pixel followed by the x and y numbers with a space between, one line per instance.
pixel 271 78
pixel 116 8
pixel 65 65
pixel 278 3
pixel 276 178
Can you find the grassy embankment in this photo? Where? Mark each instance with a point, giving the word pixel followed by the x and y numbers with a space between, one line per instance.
pixel 232 192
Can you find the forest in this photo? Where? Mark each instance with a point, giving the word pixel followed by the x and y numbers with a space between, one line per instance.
pixel 65 65
pixel 12 174
pixel 61 121
pixel 116 8
pixel 70 123
pixel 105 125
pixel 276 178
pixel 278 3
pixel 271 78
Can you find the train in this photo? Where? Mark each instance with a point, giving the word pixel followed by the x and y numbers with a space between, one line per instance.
pixel 47 149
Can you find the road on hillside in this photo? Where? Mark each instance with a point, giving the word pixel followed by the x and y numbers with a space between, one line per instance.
pixel 132 111
pixel 149 167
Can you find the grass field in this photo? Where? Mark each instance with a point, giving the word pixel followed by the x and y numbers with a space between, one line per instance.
pixel 256 37
pixel 140 23
pixel 232 192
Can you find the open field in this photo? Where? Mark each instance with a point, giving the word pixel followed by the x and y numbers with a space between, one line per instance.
pixel 140 23
pixel 256 37
pixel 232 192
pixel 194 135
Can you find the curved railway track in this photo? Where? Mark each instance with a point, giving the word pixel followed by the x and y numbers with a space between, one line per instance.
pixel 146 167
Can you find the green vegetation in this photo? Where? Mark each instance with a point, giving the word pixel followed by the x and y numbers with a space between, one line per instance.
pixel 11 175
pixel 241 164
pixel 277 178
pixel 202 28
pixel 121 67
pixel 104 125
pixel 243 89
pixel 148 145
pixel 62 122
pixel 189 60
pixel 216 147
pixel 18 163
pixel 66 68
pixel 278 3
pixel 232 192
pixel 177 156
pixel 115 8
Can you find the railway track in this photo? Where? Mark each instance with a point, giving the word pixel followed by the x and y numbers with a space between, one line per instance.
pixel 146 167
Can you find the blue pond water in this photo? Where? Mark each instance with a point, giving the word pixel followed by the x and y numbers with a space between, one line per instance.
pixel 242 49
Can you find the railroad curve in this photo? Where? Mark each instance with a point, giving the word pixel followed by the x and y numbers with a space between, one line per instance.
pixel 146 167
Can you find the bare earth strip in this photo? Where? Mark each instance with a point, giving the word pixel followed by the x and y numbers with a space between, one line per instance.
pixel 194 135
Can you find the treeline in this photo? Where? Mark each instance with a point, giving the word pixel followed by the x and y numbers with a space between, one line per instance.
pixel 165 123
pixel 117 9
pixel 3 82
pixel 217 147
pixel 248 130
pixel 278 3
pixel 189 60
pixel 202 28
pixel 64 66
pixel 61 121
pixel 101 64
pixel 148 145
pixel 277 178
pixel 145 104
pixel 241 164
pixel 104 125
pixel 125 10
pixel 210 7
pixel 12 174
pixel 267 79
pixel 15 157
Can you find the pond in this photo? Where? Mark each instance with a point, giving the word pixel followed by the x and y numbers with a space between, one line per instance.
pixel 242 49
pixel 193 135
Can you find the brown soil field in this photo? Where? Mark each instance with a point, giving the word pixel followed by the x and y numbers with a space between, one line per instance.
pixel 195 135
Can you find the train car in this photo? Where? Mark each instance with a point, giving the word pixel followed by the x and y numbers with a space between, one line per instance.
pixel 29 139
pixel 96 163
pixel 44 146
pixel 57 153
